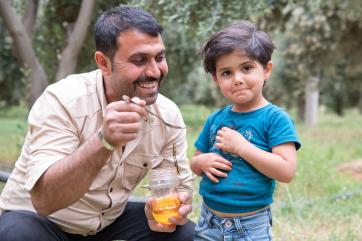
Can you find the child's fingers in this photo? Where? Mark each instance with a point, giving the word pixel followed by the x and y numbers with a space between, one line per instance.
pixel 222 161
pixel 222 166
pixel 218 173
pixel 211 177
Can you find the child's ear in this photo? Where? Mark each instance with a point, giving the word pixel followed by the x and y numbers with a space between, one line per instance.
pixel 268 70
pixel 103 63
pixel 214 78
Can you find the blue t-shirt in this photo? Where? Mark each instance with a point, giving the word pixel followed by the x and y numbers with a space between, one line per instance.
pixel 245 189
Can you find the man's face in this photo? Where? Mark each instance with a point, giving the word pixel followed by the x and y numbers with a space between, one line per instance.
pixel 138 67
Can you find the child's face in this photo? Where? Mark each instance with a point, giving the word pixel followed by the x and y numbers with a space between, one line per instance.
pixel 241 80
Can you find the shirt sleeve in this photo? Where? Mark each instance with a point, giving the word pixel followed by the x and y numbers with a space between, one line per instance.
pixel 52 136
pixel 282 130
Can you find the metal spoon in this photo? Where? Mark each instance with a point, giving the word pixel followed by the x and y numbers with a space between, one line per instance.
pixel 128 99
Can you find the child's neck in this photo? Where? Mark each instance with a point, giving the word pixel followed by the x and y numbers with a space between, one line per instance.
pixel 248 107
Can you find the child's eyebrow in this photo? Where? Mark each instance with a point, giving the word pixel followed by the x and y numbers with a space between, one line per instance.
pixel 243 63
pixel 223 68
pixel 248 62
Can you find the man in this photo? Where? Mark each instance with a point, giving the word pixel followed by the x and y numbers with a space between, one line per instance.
pixel 86 148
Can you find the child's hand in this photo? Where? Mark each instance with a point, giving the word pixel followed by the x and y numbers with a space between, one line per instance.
pixel 230 140
pixel 209 163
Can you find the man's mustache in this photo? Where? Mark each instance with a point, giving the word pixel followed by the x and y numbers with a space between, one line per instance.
pixel 148 79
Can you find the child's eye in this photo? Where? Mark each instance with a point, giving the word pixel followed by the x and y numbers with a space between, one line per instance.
pixel 247 68
pixel 226 73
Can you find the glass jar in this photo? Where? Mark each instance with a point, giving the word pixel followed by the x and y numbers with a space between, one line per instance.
pixel 163 186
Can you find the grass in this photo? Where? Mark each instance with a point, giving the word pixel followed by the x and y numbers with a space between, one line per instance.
pixel 320 204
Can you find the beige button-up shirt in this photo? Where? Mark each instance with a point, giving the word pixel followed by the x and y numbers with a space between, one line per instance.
pixel 61 120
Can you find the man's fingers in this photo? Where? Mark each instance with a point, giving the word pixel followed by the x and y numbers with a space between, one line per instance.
pixel 138 101
pixel 125 106
pixel 124 117
pixel 185 209
pixel 167 228
pixel 185 197
pixel 178 220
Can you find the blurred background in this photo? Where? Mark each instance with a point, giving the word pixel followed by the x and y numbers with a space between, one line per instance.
pixel 317 77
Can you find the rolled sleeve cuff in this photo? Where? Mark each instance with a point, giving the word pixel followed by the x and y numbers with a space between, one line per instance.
pixel 35 172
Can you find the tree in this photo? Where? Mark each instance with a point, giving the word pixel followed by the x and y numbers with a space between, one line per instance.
pixel 25 50
pixel 316 36
pixel 69 57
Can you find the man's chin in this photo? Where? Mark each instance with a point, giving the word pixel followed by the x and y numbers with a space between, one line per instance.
pixel 150 99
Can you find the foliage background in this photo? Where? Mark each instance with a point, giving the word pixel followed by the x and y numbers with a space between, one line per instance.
pixel 313 38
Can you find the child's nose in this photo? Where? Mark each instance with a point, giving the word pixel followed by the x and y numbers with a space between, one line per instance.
pixel 238 79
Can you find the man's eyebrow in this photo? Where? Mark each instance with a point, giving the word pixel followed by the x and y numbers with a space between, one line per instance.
pixel 144 54
pixel 138 54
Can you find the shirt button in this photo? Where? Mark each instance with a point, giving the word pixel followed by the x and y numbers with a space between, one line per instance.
pixel 111 189
pixel 228 223
pixel 145 164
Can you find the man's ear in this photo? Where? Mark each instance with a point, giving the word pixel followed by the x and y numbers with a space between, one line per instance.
pixel 103 63
pixel 268 70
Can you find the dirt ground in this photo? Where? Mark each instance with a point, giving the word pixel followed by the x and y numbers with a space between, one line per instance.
pixel 353 169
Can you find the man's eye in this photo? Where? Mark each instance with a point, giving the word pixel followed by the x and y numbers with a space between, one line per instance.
pixel 160 58
pixel 139 61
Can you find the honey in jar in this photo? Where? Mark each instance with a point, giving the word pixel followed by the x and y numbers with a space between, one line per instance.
pixel 163 184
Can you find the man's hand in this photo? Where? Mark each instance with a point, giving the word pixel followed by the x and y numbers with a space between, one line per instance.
pixel 211 164
pixel 122 121
pixel 181 219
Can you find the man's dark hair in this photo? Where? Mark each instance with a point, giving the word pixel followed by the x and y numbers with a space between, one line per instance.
pixel 120 19
pixel 243 36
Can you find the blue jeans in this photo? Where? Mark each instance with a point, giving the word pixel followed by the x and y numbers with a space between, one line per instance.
pixel 256 227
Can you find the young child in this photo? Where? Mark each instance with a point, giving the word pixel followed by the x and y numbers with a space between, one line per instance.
pixel 244 147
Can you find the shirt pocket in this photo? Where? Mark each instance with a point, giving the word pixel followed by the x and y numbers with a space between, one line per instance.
pixel 134 169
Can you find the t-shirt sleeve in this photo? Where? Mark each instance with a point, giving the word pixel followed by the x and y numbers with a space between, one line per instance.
pixel 203 141
pixel 282 130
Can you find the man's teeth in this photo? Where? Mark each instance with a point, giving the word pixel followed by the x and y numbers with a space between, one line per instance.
pixel 148 85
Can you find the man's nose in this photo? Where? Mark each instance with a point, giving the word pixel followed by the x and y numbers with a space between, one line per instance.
pixel 153 70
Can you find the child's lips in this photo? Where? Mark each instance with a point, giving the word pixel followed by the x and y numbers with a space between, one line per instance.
pixel 240 90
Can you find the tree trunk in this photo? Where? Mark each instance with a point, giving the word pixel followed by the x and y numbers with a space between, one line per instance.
pixel 28 21
pixel 359 106
pixel 69 57
pixel 301 108
pixel 30 15
pixel 24 49
pixel 311 101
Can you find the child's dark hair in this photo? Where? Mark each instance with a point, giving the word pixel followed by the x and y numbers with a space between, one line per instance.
pixel 243 36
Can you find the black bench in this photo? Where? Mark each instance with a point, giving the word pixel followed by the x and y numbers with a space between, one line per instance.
pixel 4 176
